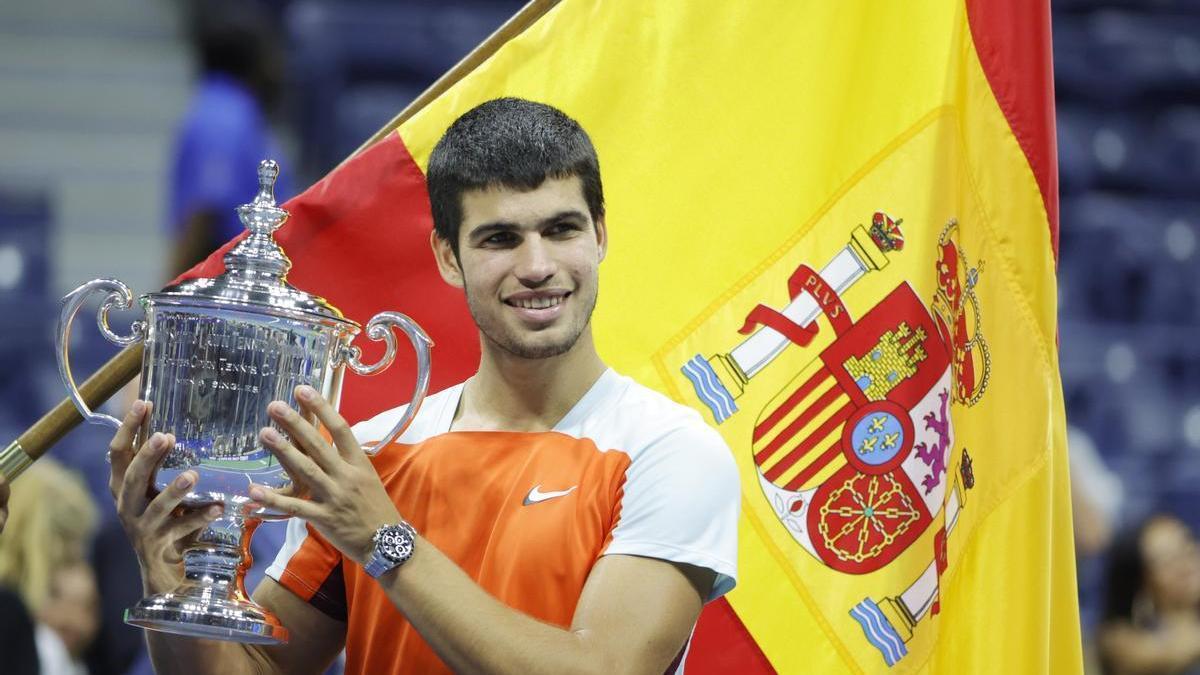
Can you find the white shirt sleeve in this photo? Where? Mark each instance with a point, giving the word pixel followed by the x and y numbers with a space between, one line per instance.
pixel 681 503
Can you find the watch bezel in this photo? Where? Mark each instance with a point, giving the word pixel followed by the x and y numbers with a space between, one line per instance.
pixel 391 546
pixel 394 542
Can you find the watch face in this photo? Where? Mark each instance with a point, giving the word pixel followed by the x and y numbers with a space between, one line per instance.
pixel 395 543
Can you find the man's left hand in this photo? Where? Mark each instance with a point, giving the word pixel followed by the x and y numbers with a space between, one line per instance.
pixel 346 501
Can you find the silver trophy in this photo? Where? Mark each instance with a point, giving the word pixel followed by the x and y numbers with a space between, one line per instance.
pixel 217 351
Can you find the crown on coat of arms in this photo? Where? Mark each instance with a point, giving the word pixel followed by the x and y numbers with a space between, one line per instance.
pixel 957 306
pixel 885 232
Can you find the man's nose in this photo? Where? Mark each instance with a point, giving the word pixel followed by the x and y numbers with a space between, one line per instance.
pixel 535 264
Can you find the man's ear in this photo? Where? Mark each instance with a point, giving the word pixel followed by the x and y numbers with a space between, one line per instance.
pixel 447 262
pixel 602 236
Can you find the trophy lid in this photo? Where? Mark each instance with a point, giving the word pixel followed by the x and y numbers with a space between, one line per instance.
pixel 255 276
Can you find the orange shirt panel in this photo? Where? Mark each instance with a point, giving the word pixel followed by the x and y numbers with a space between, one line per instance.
pixel 465 492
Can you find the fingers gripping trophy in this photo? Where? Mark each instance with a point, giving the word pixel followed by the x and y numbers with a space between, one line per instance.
pixel 217 351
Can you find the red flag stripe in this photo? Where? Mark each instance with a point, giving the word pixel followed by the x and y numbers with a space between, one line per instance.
pixel 1016 57
pixel 722 644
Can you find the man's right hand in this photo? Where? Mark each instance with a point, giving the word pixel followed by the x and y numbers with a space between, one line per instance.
pixel 158 534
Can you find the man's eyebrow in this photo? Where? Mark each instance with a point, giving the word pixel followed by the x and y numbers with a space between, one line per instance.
pixel 568 214
pixel 487 229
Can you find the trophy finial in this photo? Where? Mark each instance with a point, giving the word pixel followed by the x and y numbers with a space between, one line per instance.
pixel 268 171
pixel 261 217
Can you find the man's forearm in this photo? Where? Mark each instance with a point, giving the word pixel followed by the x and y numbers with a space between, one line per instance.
pixel 471 631
pixel 177 654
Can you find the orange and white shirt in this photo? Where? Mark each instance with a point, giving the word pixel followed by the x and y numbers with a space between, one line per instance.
pixel 526 515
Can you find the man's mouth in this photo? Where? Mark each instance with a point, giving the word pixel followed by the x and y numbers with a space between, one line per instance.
pixel 537 302
pixel 538 306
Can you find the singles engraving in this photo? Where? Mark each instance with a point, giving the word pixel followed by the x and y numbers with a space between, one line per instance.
pixel 219 374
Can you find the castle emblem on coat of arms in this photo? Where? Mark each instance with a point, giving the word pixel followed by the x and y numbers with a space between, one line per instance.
pixel 853 453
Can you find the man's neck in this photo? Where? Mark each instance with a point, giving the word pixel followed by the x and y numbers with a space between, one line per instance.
pixel 510 393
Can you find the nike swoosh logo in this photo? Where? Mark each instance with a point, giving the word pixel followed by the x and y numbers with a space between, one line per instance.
pixel 536 495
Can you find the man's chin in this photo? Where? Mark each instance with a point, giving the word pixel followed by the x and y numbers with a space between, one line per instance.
pixel 541 345
pixel 541 350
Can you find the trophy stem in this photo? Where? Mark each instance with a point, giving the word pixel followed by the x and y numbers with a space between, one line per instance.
pixel 211 601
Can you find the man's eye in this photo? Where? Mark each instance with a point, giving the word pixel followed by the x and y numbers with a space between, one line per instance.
pixel 561 229
pixel 500 239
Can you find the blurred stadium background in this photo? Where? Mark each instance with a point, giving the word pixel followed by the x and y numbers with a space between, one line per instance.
pixel 92 95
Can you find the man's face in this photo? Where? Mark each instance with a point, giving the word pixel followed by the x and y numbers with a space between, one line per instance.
pixel 528 262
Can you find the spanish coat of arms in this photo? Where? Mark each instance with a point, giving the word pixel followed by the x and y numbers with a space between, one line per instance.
pixel 854 453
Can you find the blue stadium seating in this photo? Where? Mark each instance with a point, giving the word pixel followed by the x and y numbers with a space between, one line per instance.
pixel 354 65
pixel 1125 55
pixel 24 297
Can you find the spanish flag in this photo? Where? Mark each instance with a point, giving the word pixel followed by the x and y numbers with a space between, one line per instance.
pixel 833 233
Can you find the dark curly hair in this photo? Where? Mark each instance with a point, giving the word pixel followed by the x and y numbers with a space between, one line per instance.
pixel 509 142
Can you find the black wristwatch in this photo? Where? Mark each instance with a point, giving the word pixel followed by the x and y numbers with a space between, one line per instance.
pixel 392 546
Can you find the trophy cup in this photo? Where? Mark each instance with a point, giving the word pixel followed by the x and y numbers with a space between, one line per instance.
pixel 217 351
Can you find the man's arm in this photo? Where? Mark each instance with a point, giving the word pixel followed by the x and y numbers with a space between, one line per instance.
pixel 1172 648
pixel 158 535
pixel 634 614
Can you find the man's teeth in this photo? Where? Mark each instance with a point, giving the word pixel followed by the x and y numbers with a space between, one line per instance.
pixel 538 303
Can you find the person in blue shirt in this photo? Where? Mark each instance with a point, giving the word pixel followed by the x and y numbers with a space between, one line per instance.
pixel 225 132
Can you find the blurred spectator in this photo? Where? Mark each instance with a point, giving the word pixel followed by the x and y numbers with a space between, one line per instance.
pixel 20 646
pixel 225 132
pixel 68 620
pixel 1152 614
pixel 1096 494
pixel 1097 498
pixel 43 558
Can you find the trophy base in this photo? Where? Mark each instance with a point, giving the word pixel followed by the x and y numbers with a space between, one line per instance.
pixel 213 618
pixel 212 602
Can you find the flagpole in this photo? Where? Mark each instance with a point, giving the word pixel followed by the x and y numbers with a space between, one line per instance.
pixel 47 431
pixel 118 371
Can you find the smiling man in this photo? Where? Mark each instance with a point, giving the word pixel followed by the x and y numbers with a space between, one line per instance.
pixel 548 515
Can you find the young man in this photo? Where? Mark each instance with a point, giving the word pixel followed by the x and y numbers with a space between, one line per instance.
pixel 546 516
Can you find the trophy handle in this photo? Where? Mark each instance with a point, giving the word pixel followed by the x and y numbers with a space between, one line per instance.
pixel 120 296
pixel 380 328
